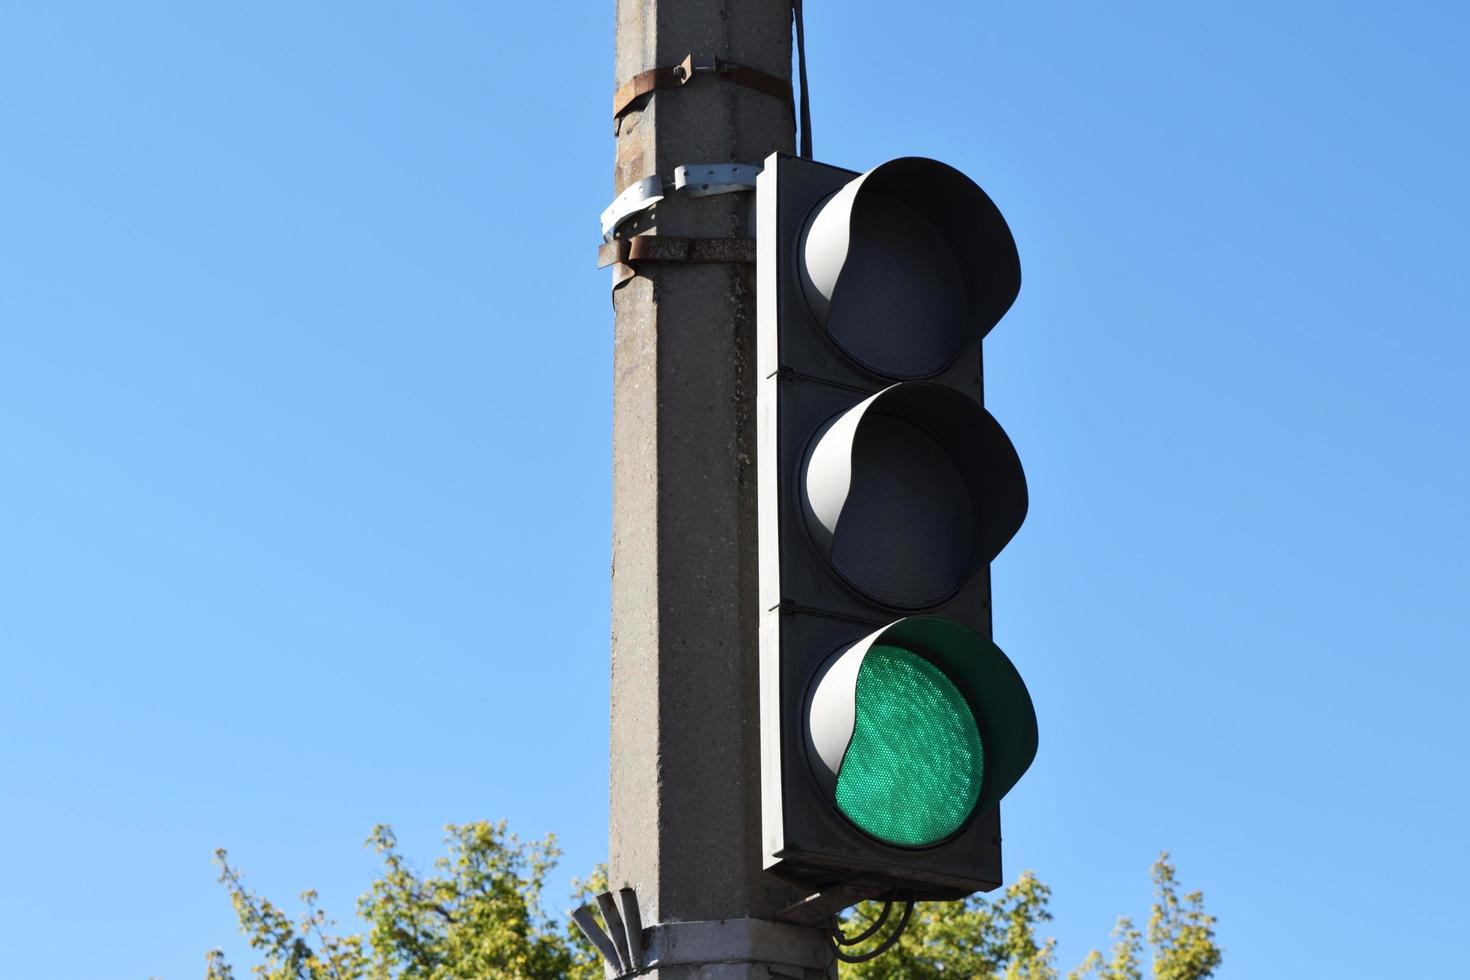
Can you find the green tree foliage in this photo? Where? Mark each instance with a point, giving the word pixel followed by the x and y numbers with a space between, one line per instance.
pixel 1183 936
pixel 976 938
pixel 1124 964
pixel 999 939
pixel 479 916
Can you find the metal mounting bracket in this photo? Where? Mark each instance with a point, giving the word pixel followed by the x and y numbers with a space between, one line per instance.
pixel 637 196
pixel 630 950
pixel 694 179
pixel 704 179
pixel 822 908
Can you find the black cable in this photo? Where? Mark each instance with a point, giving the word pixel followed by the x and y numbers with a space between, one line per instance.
pixel 806 106
pixel 881 948
pixel 866 933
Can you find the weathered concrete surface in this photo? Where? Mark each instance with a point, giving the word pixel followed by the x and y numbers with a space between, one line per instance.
pixel 685 806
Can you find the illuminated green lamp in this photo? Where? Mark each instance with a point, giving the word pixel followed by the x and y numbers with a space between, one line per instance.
pixel 917 728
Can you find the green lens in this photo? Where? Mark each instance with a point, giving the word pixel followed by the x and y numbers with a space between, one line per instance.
pixel 911 775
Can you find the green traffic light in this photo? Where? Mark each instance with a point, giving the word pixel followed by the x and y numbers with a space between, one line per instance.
pixel 912 773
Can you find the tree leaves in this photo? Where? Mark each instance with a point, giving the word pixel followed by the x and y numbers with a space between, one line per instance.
pixel 479 915
pixel 1182 935
pixel 981 939
pixel 974 939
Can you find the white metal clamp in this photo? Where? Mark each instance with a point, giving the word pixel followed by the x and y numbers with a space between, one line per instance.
pixel 694 179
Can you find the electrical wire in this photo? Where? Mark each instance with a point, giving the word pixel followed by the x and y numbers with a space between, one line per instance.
pixel 839 940
pixel 806 105
pixel 842 940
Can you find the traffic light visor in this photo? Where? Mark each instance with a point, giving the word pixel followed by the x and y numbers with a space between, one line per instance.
pixel 906 266
pixel 917 728
pixel 910 491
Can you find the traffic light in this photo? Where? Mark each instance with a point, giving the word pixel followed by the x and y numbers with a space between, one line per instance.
pixel 891 725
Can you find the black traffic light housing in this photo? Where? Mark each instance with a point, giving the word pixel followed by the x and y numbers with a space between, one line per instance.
pixel 885 491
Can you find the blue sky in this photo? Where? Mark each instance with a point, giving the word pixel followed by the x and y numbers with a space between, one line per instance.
pixel 305 432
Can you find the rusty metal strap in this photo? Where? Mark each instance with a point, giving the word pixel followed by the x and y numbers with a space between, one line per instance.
pixel 672 248
pixel 683 73
pixel 626 253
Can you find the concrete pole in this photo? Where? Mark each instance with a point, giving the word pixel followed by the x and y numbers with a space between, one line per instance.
pixel 685 762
